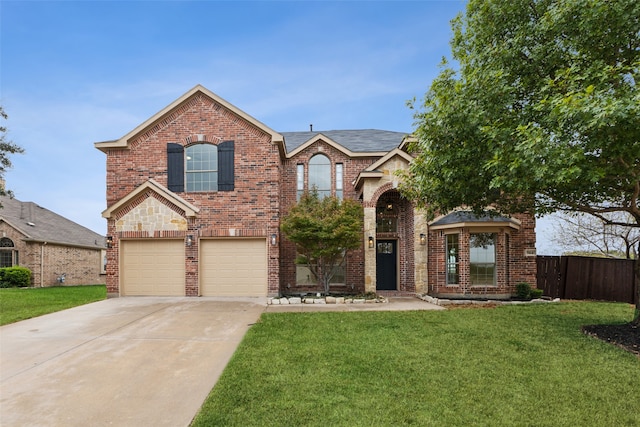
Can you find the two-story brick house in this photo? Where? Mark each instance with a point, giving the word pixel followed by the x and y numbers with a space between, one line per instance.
pixel 195 195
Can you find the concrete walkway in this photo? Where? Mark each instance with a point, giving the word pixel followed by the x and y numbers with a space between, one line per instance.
pixel 130 361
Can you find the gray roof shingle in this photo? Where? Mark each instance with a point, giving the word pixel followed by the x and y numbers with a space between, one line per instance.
pixel 468 216
pixel 40 224
pixel 359 141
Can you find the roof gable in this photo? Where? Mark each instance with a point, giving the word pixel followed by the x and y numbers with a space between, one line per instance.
pixel 363 142
pixel 124 142
pixel 162 192
pixel 375 170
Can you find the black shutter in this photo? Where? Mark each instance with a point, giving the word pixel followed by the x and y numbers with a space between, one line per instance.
pixel 225 166
pixel 175 167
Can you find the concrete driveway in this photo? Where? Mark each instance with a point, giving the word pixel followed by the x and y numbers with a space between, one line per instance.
pixel 119 362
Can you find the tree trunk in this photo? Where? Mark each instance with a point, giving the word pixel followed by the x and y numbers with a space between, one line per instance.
pixel 636 317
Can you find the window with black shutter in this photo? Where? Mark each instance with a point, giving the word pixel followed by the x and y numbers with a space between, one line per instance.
pixel 201 167
pixel 225 166
pixel 175 167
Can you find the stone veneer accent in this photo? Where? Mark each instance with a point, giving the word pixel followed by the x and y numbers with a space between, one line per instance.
pixel 149 216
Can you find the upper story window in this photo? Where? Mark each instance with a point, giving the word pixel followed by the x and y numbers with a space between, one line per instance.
pixel 320 178
pixel 386 216
pixel 202 167
pixel 299 181
pixel 320 175
pixel 339 180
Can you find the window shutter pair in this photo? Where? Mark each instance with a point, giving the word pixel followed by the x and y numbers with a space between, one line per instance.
pixel 175 167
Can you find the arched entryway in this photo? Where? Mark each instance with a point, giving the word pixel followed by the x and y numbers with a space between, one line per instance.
pixel 394 243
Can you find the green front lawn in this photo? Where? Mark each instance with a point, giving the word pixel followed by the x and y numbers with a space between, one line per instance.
pixel 512 365
pixel 23 303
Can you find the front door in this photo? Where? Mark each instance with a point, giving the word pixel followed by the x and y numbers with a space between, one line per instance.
pixel 386 265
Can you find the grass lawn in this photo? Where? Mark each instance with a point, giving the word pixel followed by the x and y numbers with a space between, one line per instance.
pixel 521 365
pixel 23 303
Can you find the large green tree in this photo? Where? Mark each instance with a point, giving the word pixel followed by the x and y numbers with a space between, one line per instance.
pixel 323 229
pixel 7 147
pixel 539 111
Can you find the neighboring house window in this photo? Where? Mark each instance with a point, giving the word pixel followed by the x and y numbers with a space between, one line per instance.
pixel 8 256
pixel 339 179
pixel 453 259
pixel 320 175
pixel 103 263
pixel 203 167
pixel 482 259
pixel 300 181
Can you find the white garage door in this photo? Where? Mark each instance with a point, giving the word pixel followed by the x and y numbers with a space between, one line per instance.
pixel 233 267
pixel 152 267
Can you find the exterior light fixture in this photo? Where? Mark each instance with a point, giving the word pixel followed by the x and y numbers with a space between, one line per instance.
pixel 189 240
pixel 423 239
pixel 109 242
pixel 274 239
pixel 370 242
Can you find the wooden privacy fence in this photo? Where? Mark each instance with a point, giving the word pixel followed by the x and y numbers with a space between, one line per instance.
pixel 576 277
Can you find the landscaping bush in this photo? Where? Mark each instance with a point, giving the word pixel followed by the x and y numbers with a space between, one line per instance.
pixel 523 291
pixel 15 277
pixel 536 293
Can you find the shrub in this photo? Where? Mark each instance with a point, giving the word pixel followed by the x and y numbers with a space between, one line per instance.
pixel 523 291
pixel 536 293
pixel 15 277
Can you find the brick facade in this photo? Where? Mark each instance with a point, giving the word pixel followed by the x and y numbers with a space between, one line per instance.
pixel 48 261
pixel 265 189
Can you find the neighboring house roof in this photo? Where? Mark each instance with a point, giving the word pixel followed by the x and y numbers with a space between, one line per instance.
pixel 469 219
pixel 41 225
pixel 359 141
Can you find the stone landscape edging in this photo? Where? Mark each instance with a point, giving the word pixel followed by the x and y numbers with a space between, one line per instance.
pixel 323 300
pixel 445 302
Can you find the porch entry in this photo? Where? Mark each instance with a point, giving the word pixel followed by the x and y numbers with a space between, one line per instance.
pixel 386 265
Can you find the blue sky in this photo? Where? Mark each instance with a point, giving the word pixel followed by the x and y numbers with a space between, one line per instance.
pixel 77 72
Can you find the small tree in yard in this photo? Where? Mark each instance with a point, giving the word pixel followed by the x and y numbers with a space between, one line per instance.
pixel 323 231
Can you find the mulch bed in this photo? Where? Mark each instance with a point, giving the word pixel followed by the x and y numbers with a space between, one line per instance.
pixel 626 336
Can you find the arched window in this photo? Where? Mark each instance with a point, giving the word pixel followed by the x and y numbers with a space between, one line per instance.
pixel 202 167
pixel 6 242
pixel 7 253
pixel 320 175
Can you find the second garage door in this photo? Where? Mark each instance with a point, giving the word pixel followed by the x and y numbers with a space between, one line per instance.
pixel 152 267
pixel 233 267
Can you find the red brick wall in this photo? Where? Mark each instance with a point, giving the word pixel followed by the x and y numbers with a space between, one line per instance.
pixel 512 265
pixel 252 209
pixel 351 168
pixel 48 261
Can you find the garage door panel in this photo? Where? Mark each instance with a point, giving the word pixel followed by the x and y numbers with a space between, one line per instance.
pixel 233 267
pixel 152 267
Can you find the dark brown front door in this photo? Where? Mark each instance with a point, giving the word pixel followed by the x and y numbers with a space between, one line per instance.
pixel 386 265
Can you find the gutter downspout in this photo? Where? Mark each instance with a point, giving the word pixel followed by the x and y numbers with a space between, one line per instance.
pixel 42 264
